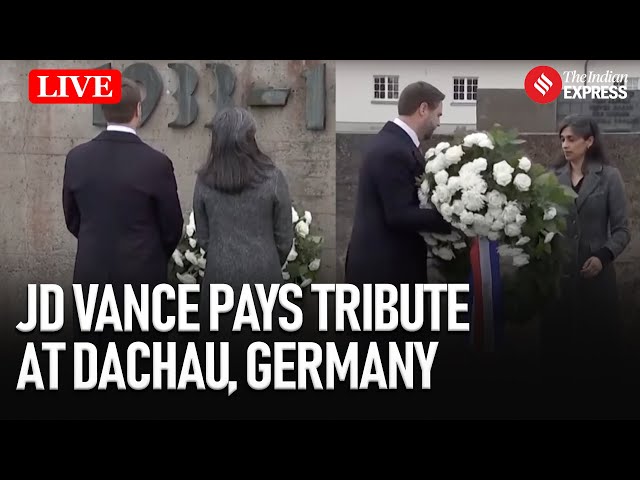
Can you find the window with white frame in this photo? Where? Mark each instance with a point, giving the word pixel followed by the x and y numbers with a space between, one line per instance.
pixel 632 83
pixel 465 89
pixel 386 87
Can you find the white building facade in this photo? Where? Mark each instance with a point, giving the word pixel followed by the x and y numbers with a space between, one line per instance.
pixel 367 91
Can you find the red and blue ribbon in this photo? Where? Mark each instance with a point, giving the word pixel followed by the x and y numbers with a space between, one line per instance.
pixel 486 300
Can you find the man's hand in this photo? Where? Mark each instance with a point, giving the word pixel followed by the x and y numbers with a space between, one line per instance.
pixel 591 268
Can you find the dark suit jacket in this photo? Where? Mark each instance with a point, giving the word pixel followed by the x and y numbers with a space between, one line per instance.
pixel 385 244
pixel 120 201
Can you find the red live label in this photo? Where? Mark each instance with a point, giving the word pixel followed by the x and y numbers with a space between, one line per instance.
pixel 75 86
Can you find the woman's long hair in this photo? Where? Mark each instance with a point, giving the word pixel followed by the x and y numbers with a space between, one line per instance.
pixel 584 126
pixel 235 162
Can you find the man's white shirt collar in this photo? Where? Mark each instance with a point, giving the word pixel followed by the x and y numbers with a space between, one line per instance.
pixel 409 130
pixel 121 128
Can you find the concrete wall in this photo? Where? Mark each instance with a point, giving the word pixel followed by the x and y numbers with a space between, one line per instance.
pixel 34 139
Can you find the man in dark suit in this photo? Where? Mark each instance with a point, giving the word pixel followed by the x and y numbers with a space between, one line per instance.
pixel 385 245
pixel 121 202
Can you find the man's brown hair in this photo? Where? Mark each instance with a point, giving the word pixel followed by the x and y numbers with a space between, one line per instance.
pixel 124 111
pixel 417 93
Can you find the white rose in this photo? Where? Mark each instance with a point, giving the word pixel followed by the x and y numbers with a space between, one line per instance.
pixel 470 140
pixel 521 260
pixel 521 219
pixel 292 255
pixel 191 226
pixel 468 231
pixel 441 177
pixel 523 241
pixel 467 169
pixel 294 215
pixel 497 225
pixel 494 212
pixel 177 258
pixel 454 183
pixel 306 282
pixel 314 265
pixel 502 179
pixel 549 236
pixel 510 212
pixel 285 275
pixel 479 164
pixel 435 165
pixel 481 228
pixel 459 245
pixel 443 194
pixel 189 255
pixel 193 242
pixel 493 236
pixel 451 237
pixel 429 239
pixel 302 229
pixel 423 199
pixel 442 146
pixel 444 253
pixel 503 167
pixel 524 164
pixel 454 154
pixel 478 138
pixel 486 143
pixel 446 210
pixel 549 213
pixel 430 153
pixel 202 263
pixel 496 199
pixel 307 217
pixel 458 207
pixel 522 182
pixel 424 186
pixel 466 217
pixel 186 278
pixel 502 173
pixel 512 230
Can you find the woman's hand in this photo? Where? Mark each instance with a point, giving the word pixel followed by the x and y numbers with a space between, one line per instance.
pixel 591 268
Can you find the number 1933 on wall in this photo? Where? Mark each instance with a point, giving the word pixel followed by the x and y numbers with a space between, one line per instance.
pixel 83 88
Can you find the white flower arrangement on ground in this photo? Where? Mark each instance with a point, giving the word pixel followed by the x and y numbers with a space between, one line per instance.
pixel 188 261
pixel 484 186
pixel 303 263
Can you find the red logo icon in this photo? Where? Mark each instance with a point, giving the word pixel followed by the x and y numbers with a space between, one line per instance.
pixel 75 86
pixel 543 84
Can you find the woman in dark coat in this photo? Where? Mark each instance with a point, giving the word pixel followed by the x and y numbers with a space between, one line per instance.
pixel 585 328
pixel 242 212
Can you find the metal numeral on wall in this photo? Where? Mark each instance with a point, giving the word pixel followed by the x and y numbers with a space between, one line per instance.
pixel 225 86
pixel 225 79
pixel 316 97
pixel 151 80
pixel 187 105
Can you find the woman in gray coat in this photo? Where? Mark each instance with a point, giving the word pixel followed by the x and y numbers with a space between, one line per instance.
pixel 585 326
pixel 242 211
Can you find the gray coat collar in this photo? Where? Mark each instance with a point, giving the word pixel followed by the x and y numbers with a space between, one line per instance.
pixel 589 183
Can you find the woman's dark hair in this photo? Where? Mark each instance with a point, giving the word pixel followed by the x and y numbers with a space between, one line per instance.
pixel 235 161
pixel 585 126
